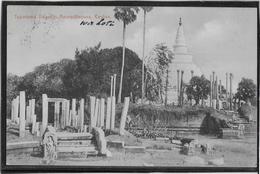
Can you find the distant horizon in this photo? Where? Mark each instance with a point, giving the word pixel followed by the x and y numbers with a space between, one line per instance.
pixel 220 39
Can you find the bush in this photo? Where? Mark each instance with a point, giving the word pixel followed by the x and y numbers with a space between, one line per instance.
pixel 151 116
pixel 245 111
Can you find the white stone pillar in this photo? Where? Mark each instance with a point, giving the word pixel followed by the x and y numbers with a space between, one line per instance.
pixel 115 86
pixel 123 116
pixel 68 119
pixel 81 114
pixel 108 113
pixel 56 115
pixel 22 114
pixel 16 109
pixel 27 118
pixel 96 113
pixel 73 111
pixel 102 112
pixel 33 123
pixel 111 86
pixel 92 112
pixel 12 109
pixel 113 113
pixel 44 113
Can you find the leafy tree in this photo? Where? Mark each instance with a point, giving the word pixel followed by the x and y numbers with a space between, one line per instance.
pixel 152 87
pixel 164 57
pixel 127 15
pixel 91 71
pixel 246 90
pixel 46 78
pixel 88 74
pixel 198 88
pixel 145 10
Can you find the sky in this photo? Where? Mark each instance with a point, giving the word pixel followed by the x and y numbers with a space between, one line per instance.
pixel 220 39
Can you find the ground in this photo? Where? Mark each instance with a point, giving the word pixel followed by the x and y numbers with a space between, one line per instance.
pixel 237 153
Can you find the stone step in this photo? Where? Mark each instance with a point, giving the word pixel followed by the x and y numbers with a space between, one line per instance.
pixel 21 145
pixel 79 148
pixel 135 149
pixel 74 136
pixel 74 142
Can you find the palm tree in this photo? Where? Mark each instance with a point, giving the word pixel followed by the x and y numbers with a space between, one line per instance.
pixel 127 15
pixel 146 10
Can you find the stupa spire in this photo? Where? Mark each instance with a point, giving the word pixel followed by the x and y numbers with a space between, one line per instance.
pixel 180 42
pixel 180 22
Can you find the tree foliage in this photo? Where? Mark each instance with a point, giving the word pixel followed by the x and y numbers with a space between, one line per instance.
pixel 88 74
pixel 198 88
pixel 246 90
pixel 163 57
pixel 126 14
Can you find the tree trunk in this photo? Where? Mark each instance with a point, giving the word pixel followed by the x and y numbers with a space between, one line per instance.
pixel 143 59
pixel 145 86
pixel 197 101
pixel 166 86
pixel 123 64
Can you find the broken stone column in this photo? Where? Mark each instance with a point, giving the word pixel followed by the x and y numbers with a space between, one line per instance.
pixel 73 111
pixel 96 113
pixel 108 113
pixel 123 116
pixel 16 109
pixel 100 140
pixel 12 110
pixel 113 113
pixel 92 112
pixel 81 114
pixel 22 114
pixel 33 123
pixel 114 89
pixel 85 128
pixel 111 86
pixel 67 113
pixel 56 115
pixel 102 112
pixel 44 113
pixel 27 118
pixel 70 118
pixel 37 129
pixel 32 112
pixel 62 115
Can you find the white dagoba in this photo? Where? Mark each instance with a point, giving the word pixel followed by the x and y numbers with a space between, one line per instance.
pixel 182 61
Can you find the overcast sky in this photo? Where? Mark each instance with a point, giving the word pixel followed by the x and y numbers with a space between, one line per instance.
pixel 220 39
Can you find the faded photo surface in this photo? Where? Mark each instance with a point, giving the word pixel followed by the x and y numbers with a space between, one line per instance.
pixel 131 86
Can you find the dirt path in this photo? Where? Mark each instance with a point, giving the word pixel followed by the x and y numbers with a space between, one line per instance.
pixel 237 153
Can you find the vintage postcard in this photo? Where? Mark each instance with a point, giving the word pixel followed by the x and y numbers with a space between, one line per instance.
pixel 156 86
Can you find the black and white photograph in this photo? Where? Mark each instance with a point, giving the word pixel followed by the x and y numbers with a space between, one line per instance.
pixel 131 85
